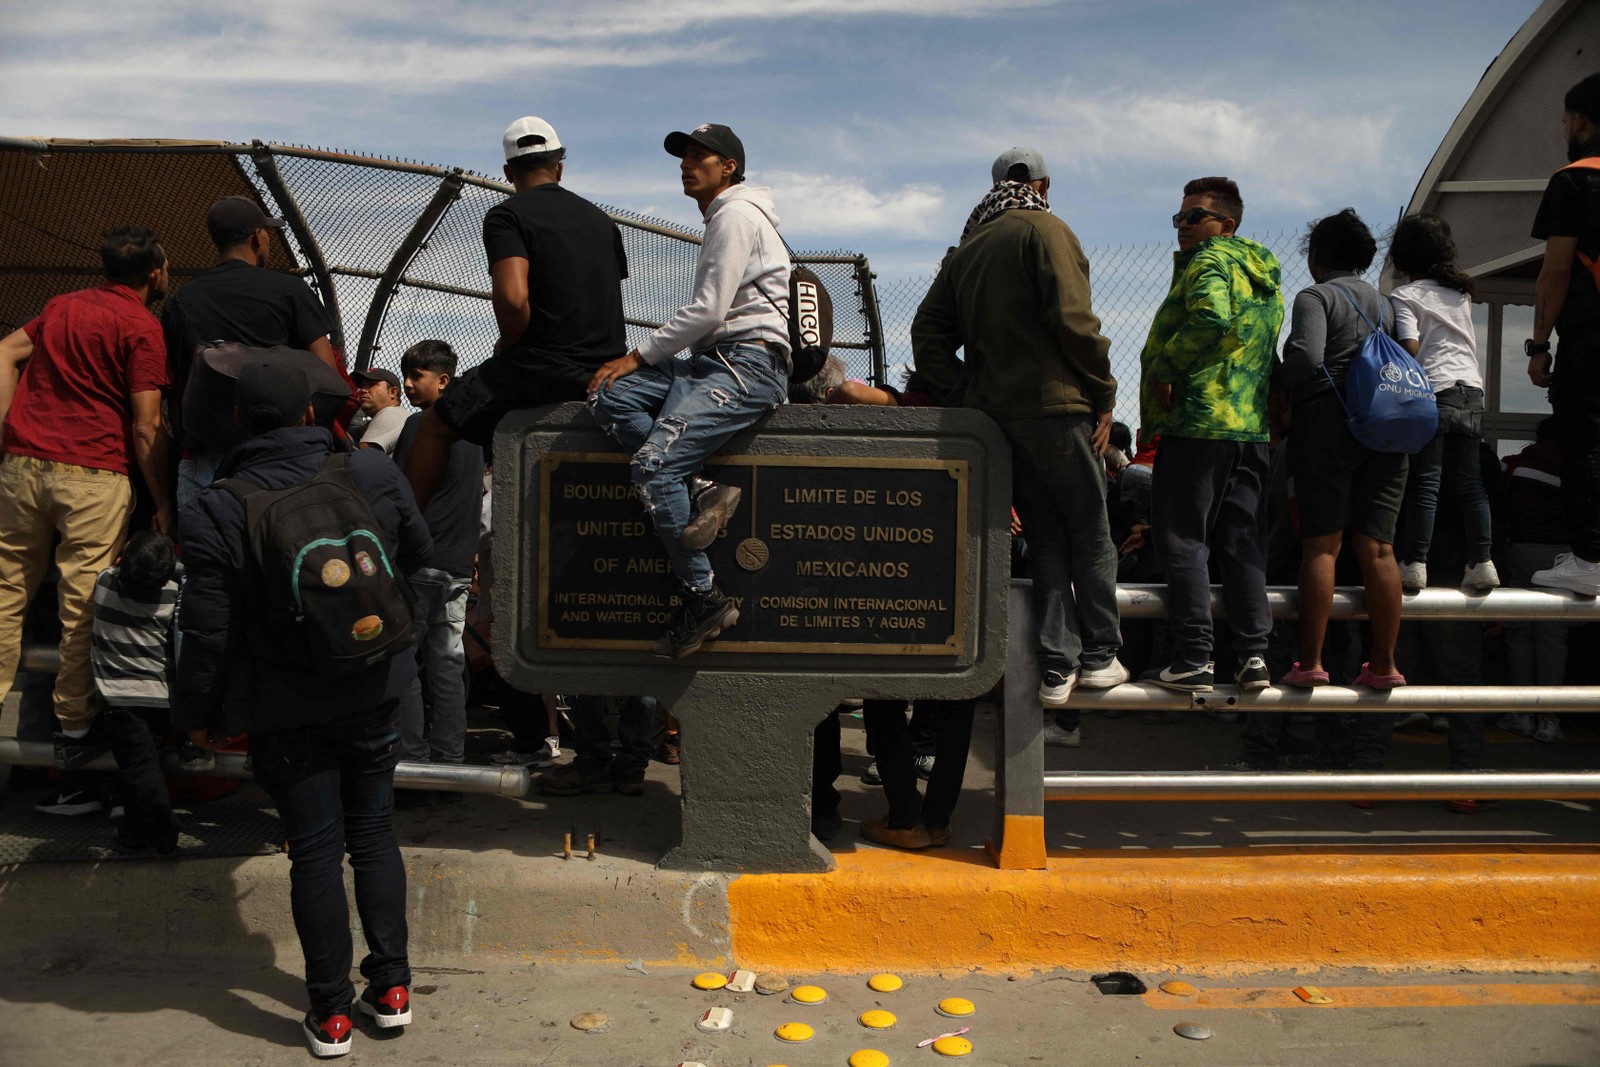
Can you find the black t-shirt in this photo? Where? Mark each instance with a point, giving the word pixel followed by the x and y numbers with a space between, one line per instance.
pixel 575 269
pixel 239 302
pixel 1571 208
pixel 454 510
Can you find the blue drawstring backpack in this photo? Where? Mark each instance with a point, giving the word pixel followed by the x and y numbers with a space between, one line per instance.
pixel 1387 398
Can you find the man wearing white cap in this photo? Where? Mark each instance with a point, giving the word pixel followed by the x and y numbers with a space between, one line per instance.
pixel 672 414
pixel 556 266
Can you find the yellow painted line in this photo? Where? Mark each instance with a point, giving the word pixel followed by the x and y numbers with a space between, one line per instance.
pixel 1216 914
pixel 1381 996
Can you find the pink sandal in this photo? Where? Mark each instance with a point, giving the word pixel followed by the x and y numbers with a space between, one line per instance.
pixel 1303 679
pixel 1379 681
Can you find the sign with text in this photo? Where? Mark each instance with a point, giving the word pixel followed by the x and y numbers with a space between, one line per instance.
pixel 825 555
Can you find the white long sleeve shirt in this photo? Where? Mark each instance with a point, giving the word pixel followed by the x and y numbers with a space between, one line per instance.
pixel 742 273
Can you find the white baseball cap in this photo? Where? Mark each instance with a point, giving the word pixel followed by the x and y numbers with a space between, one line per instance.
pixel 529 135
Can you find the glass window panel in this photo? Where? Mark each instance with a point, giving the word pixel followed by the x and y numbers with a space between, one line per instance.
pixel 1517 394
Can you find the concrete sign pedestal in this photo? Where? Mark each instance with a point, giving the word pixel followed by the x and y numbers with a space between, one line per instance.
pixel 870 557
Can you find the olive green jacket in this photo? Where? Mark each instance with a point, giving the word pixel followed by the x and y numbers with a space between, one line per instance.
pixel 1015 296
pixel 1214 339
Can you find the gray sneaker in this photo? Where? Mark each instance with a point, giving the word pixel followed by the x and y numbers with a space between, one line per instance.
pixel 713 508
pixel 1056 737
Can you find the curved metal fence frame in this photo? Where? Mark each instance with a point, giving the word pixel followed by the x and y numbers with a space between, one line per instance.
pixel 391 246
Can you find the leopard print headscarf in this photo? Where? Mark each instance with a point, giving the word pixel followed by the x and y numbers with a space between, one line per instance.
pixel 1004 197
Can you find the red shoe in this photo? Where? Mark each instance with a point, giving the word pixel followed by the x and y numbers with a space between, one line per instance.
pixel 1469 807
pixel 392 1007
pixel 328 1037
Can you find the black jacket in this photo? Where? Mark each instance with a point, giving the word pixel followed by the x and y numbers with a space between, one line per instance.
pixel 220 684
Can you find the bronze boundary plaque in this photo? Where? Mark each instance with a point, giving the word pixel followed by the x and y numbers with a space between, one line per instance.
pixel 953 644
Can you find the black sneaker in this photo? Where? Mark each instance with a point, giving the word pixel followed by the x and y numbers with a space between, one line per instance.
pixel 1186 680
pixel 71 801
pixel 713 507
pixel 701 618
pixel 389 1007
pixel 73 752
pixel 413 799
pixel 328 1037
pixel 629 783
pixel 575 778
pixel 1252 677
pixel 824 825
pixel 1245 765
pixel 196 760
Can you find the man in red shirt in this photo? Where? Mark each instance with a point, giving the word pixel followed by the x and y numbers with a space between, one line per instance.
pixel 80 399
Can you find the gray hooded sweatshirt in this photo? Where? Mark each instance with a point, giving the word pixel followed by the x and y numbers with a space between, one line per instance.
pixel 743 271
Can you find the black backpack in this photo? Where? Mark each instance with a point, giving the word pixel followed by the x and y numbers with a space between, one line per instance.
pixel 810 319
pixel 327 595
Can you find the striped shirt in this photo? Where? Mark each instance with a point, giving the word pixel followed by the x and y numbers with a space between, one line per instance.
pixel 132 643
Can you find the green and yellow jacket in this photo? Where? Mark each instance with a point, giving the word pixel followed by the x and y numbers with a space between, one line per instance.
pixel 1215 339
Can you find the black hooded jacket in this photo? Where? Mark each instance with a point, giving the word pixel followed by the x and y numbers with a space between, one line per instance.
pixel 220 685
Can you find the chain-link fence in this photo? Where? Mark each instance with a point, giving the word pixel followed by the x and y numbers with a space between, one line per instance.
pixel 1129 283
pixel 393 248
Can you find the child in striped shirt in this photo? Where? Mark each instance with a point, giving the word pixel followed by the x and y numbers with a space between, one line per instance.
pixel 132 652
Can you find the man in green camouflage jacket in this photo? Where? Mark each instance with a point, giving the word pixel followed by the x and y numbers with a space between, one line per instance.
pixel 1207 365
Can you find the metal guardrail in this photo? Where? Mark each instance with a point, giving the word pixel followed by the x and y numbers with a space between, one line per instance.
pixel 500 781
pixel 1022 787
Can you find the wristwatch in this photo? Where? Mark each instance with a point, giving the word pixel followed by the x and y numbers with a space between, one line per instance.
pixel 1532 348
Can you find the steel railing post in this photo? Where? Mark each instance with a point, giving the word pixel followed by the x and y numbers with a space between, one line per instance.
pixel 1017 843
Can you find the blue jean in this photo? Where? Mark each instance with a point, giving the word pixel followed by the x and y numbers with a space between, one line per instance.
pixel 441 726
pixel 672 416
pixel 194 474
pixel 333 786
pixel 1059 489
pixel 1452 457
pixel 1206 502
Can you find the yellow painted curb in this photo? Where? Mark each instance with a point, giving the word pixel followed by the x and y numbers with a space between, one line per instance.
pixel 1221 914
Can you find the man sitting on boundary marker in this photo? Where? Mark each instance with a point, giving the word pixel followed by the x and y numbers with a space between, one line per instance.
pixel 672 414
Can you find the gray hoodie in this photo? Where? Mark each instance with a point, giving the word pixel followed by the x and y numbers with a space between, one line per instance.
pixel 743 271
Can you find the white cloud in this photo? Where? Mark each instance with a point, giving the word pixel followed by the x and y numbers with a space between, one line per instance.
pixel 828 205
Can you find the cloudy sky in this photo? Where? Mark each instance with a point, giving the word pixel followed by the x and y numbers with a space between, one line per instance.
pixel 874 120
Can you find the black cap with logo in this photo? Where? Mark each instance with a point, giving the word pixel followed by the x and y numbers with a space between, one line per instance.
pixel 721 140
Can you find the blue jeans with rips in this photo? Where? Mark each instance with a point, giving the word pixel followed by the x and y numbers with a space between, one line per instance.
pixel 673 416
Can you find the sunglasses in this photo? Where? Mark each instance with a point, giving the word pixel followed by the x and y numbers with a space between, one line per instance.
pixel 1195 215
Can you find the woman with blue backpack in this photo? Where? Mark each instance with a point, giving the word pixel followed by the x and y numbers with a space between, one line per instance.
pixel 1340 483
pixel 1433 321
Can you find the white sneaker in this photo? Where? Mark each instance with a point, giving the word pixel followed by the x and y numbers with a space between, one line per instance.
pixel 1055 688
pixel 1480 577
pixel 1572 574
pixel 1112 674
pixel 550 753
pixel 1549 730
pixel 1522 725
pixel 1413 576
pixel 1055 735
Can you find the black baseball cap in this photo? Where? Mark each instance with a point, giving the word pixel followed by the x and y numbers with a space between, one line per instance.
pixel 721 140
pixel 233 218
pixel 270 396
pixel 376 374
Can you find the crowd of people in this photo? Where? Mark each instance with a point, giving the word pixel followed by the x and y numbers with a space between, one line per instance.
pixel 300 574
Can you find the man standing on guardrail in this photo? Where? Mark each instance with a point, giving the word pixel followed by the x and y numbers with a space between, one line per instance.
pixel 80 400
pixel 672 414
pixel 236 300
pixel 556 266
pixel 1567 302
pixel 1015 295
pixel 295 630
pixel 1207 368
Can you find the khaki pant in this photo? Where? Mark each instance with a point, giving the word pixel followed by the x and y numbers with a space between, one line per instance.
pixel 90 510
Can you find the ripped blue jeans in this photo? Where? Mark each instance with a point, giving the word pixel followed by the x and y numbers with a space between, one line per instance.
pixel 673 416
